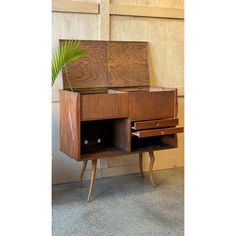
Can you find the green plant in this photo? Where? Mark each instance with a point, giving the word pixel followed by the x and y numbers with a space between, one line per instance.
pixel 66 53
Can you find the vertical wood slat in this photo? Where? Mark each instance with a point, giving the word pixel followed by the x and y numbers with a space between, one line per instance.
pixel 75 6
pixel 105 20
pixel 104 35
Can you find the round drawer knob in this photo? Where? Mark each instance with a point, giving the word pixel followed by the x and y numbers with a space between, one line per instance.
pixel 157 124
pixel 162 132
pixel 85 141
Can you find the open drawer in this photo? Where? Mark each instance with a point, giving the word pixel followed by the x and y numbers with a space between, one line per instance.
pixel 152 124
pixel 157 132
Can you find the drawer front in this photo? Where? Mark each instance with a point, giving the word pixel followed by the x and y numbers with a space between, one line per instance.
pixel 152 105
pixel 139 125
pixel 157 132
pixel 104 106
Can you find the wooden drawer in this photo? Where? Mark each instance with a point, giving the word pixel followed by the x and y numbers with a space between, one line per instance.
pixel 157 132
pixel 152 105
pixel 104 106
pixel 149 124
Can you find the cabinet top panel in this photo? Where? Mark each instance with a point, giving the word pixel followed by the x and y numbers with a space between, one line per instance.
pixel 109 64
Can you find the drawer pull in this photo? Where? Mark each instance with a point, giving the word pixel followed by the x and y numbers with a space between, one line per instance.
pixel 162 132
pixel 157 124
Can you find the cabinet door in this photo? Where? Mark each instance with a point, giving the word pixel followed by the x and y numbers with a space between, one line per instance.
pixel 152 105
pixel 104 106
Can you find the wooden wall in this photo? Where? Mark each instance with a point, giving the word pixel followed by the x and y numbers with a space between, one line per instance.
pixel 161 23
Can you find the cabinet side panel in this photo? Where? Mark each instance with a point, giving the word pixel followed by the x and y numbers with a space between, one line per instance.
pixel 70 124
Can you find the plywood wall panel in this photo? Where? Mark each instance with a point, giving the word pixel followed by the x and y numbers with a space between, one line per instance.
pixel 165 38
pixel 152 3
pixel 72 26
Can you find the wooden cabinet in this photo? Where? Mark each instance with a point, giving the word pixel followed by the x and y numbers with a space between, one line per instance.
pixel 105 124
pixel 112 110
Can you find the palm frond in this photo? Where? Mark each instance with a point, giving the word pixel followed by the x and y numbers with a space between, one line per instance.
pixel 67 52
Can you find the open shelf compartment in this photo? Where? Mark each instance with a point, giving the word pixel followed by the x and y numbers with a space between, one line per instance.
pixel 104 136
pixel 153 143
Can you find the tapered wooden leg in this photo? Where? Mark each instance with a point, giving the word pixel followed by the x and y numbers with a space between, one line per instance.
pixel 141 164
pixel 94 168
pixel 82 173
pixel 152 160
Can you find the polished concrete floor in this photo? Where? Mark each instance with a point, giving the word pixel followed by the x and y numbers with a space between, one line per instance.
pixel 124 205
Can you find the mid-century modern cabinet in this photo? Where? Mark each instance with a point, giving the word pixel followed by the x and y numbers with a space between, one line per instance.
pixel 112 110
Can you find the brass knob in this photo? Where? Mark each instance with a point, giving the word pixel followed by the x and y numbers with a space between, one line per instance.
pixel 162 132
pixel 157 124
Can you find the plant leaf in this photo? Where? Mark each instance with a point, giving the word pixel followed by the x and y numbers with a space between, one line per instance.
pixel 69 51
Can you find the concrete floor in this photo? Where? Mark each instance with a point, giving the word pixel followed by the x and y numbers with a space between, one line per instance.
pixel 124 205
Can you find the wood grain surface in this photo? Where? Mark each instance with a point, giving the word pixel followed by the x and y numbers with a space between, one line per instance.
pixel 90 71
pixel 151 105
pixel 127 64
pixel 104 106
pixel 108 64
pixel 70 124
